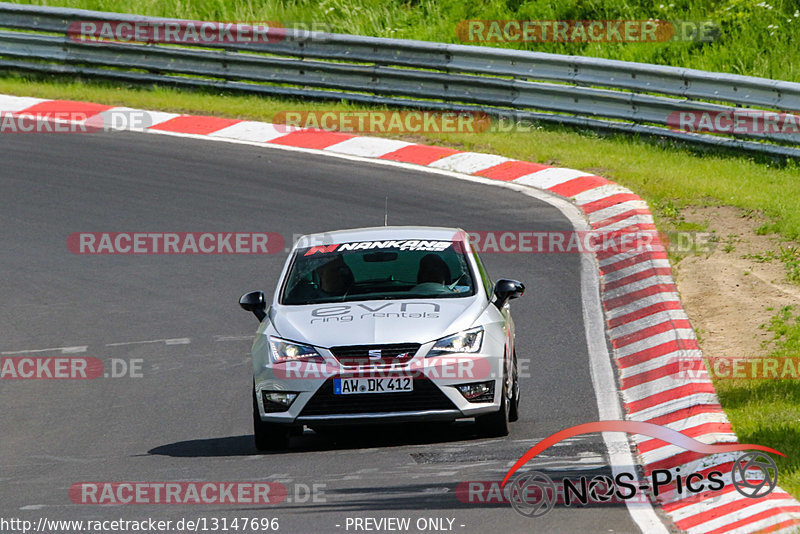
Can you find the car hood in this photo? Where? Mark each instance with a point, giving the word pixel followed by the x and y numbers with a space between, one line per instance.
pixel 376 321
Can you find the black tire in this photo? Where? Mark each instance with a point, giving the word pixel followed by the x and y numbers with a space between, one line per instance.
pixel 495 425
pixel 269 436
pixel 513 412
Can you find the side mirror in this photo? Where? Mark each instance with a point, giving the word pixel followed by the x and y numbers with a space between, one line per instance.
pixel 505 290
pixel 254 302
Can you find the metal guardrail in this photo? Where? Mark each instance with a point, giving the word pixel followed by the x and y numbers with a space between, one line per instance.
pixel 594 93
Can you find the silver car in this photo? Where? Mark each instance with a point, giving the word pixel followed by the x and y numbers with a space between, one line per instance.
pixel 383 325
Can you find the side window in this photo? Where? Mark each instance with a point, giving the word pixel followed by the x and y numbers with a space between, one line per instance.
pixel 487 282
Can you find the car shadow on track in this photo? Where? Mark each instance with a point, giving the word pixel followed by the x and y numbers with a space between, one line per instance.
pixel 446 495
pixel 327 439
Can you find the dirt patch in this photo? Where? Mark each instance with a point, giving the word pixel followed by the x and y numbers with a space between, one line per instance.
pixel 727 295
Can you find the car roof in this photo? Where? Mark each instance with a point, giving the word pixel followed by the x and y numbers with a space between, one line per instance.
pixel 382 233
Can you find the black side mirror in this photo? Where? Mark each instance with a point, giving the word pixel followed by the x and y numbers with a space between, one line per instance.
pixel 505 290
pixel 254 302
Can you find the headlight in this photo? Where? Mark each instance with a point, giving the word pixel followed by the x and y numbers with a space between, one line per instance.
pixel 463 342
pixel 287 351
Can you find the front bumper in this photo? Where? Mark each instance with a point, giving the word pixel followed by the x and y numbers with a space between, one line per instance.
pixel 379 417
pixel 435 396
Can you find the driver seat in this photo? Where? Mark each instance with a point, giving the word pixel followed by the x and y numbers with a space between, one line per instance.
pixel 433 269
pixel 335 277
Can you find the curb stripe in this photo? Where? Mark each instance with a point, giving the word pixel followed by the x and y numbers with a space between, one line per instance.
pixel 45 108
pixel 195 124
pixel 605 191
pixel 258 132
pixel 645 302
pixel 511 170
pixel 468 162
pixel 672 405
pixel 644 333
pixel 578 185
pixel 612 263
pixel 655 340
pixel 368 147
pixel 630 224
pixel 14 104
pixel 641 275
pixel 609 202
pixel 643 356
pixel 644 214
pixel 685 413
pixel 318 139
pixel 761 526
pixel 734 505
pixel 419 154
pixel 693 358
pixel 694 432
pixel 548 178
pixel 645 312
pixel 611 211
pixel 658 398
pixel 645 322
pixel 655 374
pixel 675 461
pixel 618 274
pixel 617 302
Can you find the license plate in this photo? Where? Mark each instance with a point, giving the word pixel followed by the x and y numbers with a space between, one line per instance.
pixel 355 386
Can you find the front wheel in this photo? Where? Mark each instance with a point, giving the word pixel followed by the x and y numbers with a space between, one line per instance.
pixel 495 425
pixel 513 412
pixel 269 436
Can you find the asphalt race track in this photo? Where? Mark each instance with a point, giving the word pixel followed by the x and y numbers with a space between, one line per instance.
pixel 188 416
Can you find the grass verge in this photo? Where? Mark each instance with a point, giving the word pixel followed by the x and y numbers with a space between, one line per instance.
pixel 767 411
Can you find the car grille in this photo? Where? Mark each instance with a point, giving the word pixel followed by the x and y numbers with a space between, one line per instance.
pixel 426 396
pixel 359 355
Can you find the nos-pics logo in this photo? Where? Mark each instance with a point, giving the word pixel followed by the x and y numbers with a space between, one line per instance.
pixel 533 494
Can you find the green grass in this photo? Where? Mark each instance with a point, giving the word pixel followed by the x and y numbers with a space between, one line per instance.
pixel 767 412
pixel 754 37
pixel 789 256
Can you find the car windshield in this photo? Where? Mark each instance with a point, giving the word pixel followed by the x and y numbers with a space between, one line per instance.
pixel 374 270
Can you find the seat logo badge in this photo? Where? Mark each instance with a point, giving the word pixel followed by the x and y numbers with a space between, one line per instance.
pixel 375 354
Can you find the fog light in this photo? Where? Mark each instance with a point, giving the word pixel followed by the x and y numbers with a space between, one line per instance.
pixel 277 401
pixel 477 391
